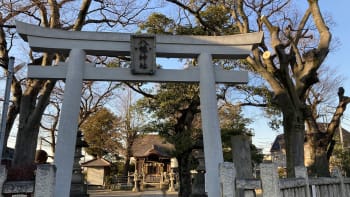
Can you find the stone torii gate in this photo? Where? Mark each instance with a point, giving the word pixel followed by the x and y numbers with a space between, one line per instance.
pixel 142 49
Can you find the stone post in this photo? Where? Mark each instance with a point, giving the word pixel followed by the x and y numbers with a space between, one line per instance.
pixel 270 180
pixel 3 177
pixel 45 180
pixel 227 179
pixel 241 156
pixel 210 124
pixel 301 172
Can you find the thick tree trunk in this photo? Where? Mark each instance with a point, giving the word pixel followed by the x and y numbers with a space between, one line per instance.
pixel 32 109
pixel 320 138
pixel 320 165
pixel 294 131
pixel 185 175
pixel 316 147
pixel 126 165
pixel 25 146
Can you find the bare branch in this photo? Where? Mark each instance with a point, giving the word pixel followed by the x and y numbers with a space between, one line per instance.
pixel 79 22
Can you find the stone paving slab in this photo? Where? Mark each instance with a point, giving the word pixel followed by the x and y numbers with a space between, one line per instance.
pixel 107 193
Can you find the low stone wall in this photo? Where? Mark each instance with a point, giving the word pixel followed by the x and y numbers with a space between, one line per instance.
pixel 43 186
pixel 272 186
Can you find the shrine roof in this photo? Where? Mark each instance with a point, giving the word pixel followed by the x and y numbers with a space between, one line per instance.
pixel 146 145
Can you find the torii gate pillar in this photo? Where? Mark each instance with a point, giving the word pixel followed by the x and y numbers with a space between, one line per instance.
pixel 66 139
pixel 210 124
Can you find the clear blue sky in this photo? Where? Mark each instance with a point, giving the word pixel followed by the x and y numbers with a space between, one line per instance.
pixel 339 10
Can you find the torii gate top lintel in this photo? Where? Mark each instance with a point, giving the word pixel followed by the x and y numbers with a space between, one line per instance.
pixel 114 44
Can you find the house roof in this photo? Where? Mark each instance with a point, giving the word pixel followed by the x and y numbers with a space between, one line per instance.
pixel 279 143
pixel 98 162
pixel 146 145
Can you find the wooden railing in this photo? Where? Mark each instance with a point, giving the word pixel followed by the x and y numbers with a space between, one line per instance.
pixel 152 178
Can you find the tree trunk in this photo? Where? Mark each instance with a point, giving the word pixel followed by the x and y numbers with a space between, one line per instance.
pixel 31 111
pixel 316 146
pixel 25 146
pixel 126 165
pixel 320 138
pixel 320 164
pixel 185 175
pixel 294 131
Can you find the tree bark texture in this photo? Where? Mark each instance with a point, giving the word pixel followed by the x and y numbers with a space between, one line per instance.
pixel 320 138
pixel 35 98
pixel 290 90
pixel 185 175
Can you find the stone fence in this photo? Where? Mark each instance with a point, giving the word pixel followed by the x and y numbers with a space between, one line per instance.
pixel 42 186
pixel 272 186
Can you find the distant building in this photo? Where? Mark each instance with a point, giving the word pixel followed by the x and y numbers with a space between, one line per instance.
pixel 152 154
pixel 278 151
pixel 96 171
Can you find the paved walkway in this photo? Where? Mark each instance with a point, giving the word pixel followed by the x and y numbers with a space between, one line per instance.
pixel 107 193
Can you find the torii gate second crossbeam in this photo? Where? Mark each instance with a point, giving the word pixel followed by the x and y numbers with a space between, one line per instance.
pixel 76 70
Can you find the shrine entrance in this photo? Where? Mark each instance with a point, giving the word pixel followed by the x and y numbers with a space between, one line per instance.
pixel 142 49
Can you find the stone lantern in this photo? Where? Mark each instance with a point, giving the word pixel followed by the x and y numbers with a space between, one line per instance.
pixel 198 185
pixel 78 187
pixel 173 164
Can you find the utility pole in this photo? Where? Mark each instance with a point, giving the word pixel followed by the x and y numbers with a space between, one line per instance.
pixel 341 135
pixel 6 104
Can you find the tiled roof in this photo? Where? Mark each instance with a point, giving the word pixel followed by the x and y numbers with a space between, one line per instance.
pixel 145 145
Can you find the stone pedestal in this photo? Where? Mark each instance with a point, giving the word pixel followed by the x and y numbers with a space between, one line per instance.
pixel 45 180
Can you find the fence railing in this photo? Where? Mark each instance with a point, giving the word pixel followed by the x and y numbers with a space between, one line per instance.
pixel 272 186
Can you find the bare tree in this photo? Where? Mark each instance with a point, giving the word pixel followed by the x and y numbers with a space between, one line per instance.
pixel 131 124
pixel 289 58
pixel 32 96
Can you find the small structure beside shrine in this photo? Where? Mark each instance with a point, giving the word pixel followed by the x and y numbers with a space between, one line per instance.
pixel 152 155
pixel 96 171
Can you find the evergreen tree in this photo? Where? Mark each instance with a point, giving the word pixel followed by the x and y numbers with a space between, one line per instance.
pixel 101 134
